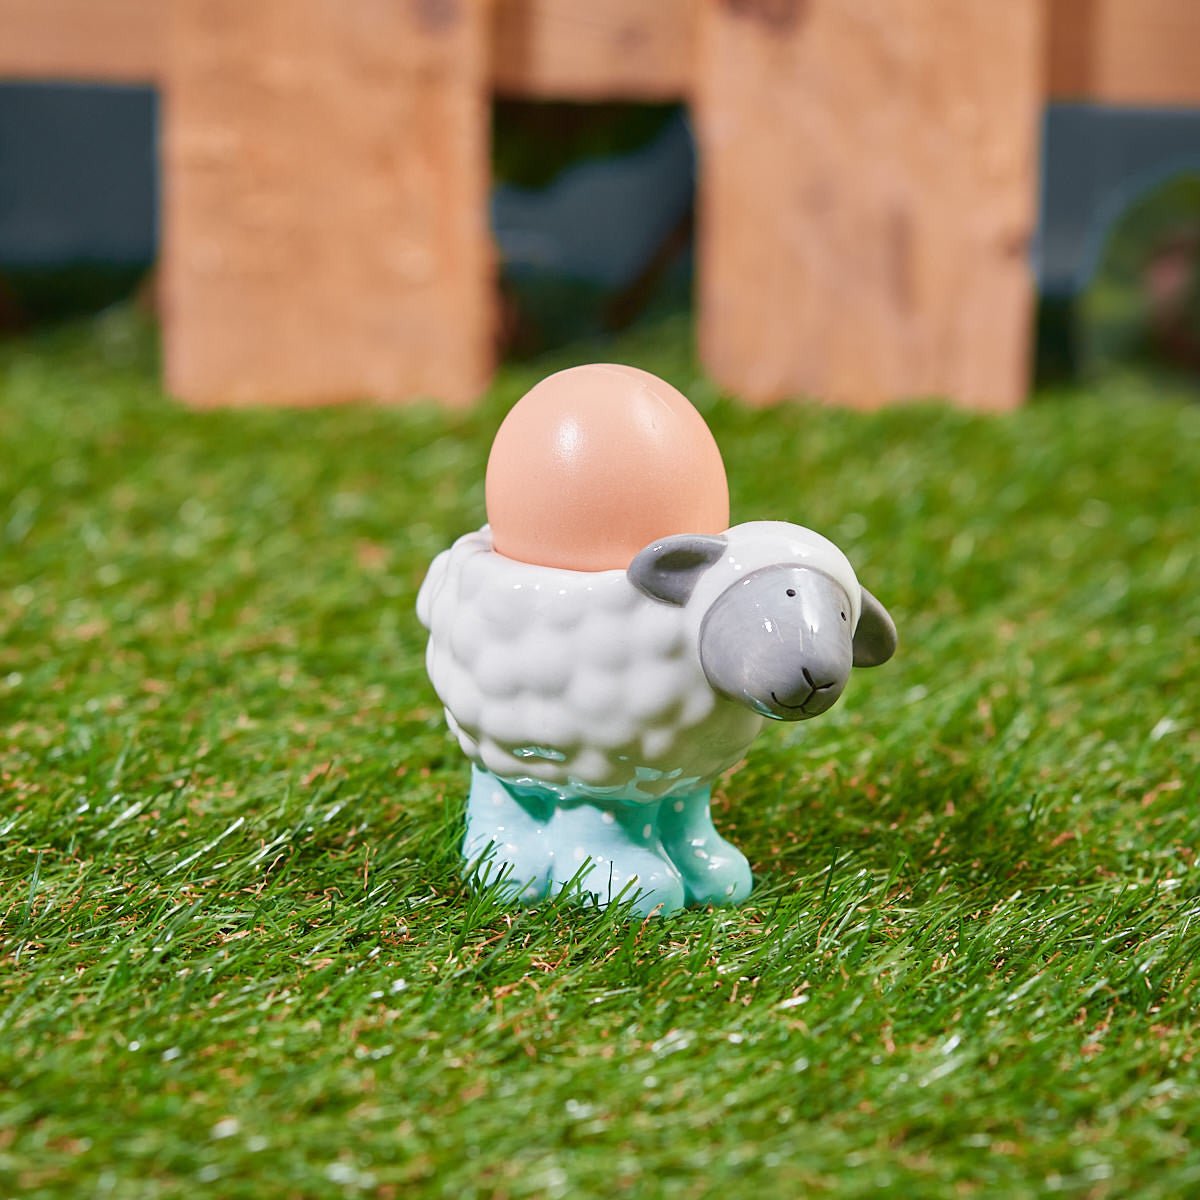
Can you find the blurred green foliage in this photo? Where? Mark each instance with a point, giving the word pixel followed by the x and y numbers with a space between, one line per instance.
pixel 1142 307
pixel 534 142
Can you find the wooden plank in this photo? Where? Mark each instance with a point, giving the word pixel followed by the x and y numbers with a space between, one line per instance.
pixel 1070 29
pixel 1114 51
pixel 867 194
pixel 104 41
pixel 326 204
pixel 585 50
pixel 564 49
pixel 1135 52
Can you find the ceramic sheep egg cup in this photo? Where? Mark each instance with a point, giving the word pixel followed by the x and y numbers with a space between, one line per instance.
pixel 605 648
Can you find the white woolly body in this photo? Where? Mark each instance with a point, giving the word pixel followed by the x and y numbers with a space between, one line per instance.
pixel 576 680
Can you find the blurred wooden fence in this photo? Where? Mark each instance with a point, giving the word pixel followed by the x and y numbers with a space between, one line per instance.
pixel 867 189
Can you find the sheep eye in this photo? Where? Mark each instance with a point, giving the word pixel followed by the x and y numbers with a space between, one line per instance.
pixel 791 591
pixel 843 616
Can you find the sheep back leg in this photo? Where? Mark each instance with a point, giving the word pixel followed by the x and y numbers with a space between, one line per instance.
pixel 506 840
pixel 713 871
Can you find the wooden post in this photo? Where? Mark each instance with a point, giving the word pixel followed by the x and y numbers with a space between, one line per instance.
pixel 326 205
pixel 867 194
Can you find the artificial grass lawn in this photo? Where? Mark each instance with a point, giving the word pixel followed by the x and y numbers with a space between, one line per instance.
pixel 237 956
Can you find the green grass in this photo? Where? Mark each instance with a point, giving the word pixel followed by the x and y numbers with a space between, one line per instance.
pixel 237 959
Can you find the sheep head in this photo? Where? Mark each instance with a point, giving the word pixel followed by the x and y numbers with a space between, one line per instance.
pixel 781 638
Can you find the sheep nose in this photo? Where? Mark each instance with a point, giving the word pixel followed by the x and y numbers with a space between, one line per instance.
pixel 817 687
pixel 822 697
pixel 811 696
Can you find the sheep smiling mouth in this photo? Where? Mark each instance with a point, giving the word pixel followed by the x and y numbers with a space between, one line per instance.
pixel 803 705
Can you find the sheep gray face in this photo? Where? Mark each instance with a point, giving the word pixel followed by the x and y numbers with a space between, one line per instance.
pixel 779 640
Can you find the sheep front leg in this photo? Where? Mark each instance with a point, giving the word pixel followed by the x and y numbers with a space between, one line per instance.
pixel 611 849
pixel 713 871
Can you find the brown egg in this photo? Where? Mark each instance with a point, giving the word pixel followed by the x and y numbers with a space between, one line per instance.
pixel 596 462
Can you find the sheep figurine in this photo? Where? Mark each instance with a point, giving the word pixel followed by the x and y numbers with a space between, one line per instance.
pixel 597 707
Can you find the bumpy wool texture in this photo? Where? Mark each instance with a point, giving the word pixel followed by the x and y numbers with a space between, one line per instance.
pixel 577 681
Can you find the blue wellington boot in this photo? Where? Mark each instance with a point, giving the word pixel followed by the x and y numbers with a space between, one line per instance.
pixel 506 839
pixel 713 871
pixel 612 850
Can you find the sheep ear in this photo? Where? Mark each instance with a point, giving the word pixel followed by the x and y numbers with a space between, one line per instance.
pixel 668 570
pixel 875 638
